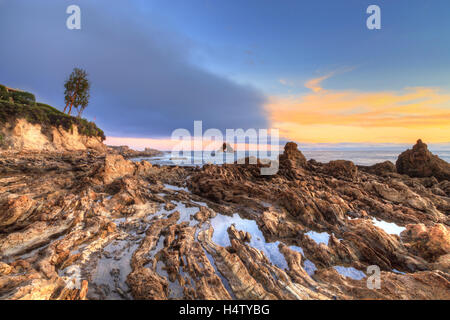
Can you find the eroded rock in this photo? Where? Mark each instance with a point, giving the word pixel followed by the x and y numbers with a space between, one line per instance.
pixel 90 226
pixel 420 162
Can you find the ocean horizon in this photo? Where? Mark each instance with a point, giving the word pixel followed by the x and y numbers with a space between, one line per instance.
pixel 358 157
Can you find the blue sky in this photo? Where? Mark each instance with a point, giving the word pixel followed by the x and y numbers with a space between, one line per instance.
pixel 160 65
pixel 260 41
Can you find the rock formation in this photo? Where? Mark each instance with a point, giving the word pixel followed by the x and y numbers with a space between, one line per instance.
pixel 292 157
pixel 292 162
pixel 127 152
pixel 85 225
pixel 24 136
pixel 420 162
pixel 341 169
pixel 226 148
pixel 385 168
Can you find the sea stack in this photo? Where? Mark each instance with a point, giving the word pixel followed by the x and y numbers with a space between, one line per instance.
pixel 420 162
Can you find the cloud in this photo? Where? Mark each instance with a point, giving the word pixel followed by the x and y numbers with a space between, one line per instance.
pixel 144 82
pixel 286 82
pixel 314 84
pixel 354 116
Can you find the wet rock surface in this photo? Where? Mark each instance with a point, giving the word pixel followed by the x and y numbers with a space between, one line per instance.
pixel 95 226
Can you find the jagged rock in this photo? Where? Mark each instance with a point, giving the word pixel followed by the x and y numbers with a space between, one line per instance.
pixel 341 169
pixel 147 285
pixel 73 294
pixel 428 242
pixel 204 214
pixel 116 167
pixel 442 263
pixel 126 152
pixel 382 168
pixel 14 209
pixel 292 157
pixel 415 286
pixel 226 148
pixel 144 168
pixel 239 234
pixel 445 187
pixel 5 269
pixel 232 267
pixel 420 162
pixel 127 236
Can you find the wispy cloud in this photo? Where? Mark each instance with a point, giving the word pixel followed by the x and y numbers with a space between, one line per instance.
pixel 314 84
pixel 353 116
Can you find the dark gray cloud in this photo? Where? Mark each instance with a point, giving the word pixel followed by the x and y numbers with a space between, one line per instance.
pixel 143 81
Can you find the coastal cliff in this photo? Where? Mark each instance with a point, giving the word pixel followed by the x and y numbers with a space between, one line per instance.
pixel 27 125
pixel 22 135
pixel 38 127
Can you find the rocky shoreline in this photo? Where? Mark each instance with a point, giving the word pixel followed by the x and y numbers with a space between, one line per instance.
pixel 128 153
pixel 89 225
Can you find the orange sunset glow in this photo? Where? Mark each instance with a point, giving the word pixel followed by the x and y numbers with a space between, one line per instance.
pixel 354 116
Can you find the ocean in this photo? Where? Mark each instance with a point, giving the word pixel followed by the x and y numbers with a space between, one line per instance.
pixel 359 157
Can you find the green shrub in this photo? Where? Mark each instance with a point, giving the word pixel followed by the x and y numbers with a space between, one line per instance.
pixel 24 98
pixel 4 95
pixel 18 97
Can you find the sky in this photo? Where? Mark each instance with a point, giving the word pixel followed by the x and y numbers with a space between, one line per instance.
pixel 311 69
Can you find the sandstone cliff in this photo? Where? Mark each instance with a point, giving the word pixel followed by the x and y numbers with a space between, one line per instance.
pixel 27 125
pixel 25 136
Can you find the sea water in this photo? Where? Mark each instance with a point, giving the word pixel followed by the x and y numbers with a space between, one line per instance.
pixel 359 157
